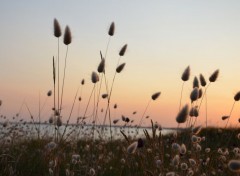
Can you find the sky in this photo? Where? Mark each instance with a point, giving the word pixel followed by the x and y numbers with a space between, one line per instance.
pixel 163 38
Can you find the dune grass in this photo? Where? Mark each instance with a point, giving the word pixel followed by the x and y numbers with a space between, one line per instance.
pixel 92 146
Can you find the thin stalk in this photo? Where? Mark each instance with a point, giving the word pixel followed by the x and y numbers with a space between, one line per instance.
pixel 140 123
pixel 79 101
pixel 94 117
pixel 106 51
pixel 98 96
pixel 87 106
pixel 206 111
pixel 230 114
pixel 39 115
pixel 58 74
pixel 20 109
pixel 54 85
pixel 203 96
pixel 31 116
pixel 201 102
pixel 65 65
pixel 188 124
pixel 43 106
pixel 109 98
pixel 105 79
pixel 180 104
pixel 70 114
pixel 89 101
pixel 232 132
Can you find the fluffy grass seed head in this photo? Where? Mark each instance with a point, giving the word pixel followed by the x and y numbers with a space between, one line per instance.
pixel 197 130
pixel 123 161
pixel 54 71
pixel 101 66
pixel 75 158
pixel 176 160
pixel 57 28
pixel 111 30
pixel 95 77
pixel 49 93
pixel 51 146
pixel 192 162
pixel 202 80
pixel 123 50
pixel 92 172
pixel 190 172
pixel 83 81
pixel 183 149
pixel 237 96
pixel 207 150
pixel 195 112
pixel 156 95
pixel 104 96
pixel 194 94
pixel 225 117
pixel 234 165
pixel 195 82
pixel 198 147
pixel 182 115
pixel 132 147
pixel 186 74
pixel 5 124
pixel 67 39
pixel 158 163
pixel 170 174
pixel 120 68
pixel 176 147
pixel 191 113
pixel 194 139
pixel 200 93
pixel 115 121
pixel 184 166
pixel 59 121
pixel 214 76
pixel 238 136
pixel 50 120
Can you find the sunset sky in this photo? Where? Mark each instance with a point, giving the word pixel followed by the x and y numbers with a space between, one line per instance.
pixel 163 38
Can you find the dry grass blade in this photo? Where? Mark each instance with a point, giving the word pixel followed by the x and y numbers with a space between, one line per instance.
pixel 153 130
pixel 146 134
pixel 149 172
pixel 126 138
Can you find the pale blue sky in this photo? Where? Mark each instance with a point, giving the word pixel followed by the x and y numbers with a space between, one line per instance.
pixel 163 37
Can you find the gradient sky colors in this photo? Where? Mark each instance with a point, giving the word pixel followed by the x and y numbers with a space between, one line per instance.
pixel 164 37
